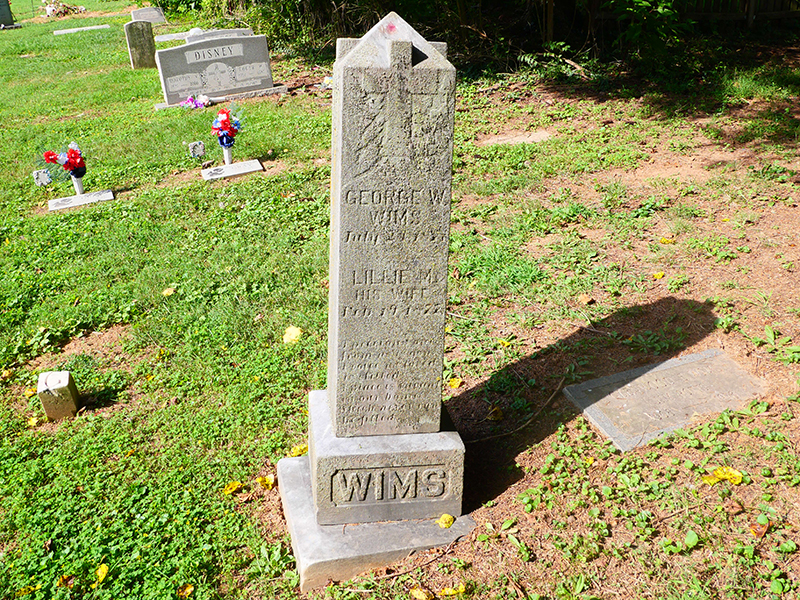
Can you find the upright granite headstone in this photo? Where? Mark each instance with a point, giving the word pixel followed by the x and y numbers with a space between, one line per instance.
pixel 376 448
pixel 221 68
pixel 141 44
pixel 152 14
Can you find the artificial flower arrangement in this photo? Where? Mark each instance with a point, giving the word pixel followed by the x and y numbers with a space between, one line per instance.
pixel 226 125
pixel 71 159
pixel 200 102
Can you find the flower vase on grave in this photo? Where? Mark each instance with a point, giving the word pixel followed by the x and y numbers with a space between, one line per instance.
pixel 77 183
pixel 227 153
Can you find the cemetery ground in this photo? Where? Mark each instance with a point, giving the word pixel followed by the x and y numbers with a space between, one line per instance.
pixel 596 226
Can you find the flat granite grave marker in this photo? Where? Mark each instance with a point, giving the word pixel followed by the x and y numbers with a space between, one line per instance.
pixel 79 29
pixel 141 45
pixel 377 450
pixel 639 405
pixel 221 68
pixel 215 34
pixel 181 35
pixel 152 14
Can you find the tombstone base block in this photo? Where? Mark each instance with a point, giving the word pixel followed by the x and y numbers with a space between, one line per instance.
pixel 368 479
pixel 80 200
pixel 278 89
pixel 336 552
pixel 232 170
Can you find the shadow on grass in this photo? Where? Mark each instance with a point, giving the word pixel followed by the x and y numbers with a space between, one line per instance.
pixel 631 337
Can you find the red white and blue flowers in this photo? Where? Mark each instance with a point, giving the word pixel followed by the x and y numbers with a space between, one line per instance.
pixel 226 126
pixel 71 159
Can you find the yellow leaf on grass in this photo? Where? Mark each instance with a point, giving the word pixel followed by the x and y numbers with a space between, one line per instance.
pixel 185 590
pixel 420 594
pixel 504 343
pixel 30 392
pixel 101 573
pixel 445 521
pixel 168 292
pixel 659 275
pixel 6 374
pixel 732 475
pixel 664 240
pixel 710 479
pixel 589 460
pixel 232 487
pixel 66 581
pixel 455 383
pixel 292 335
pixel 28 589
pixel 454 591
pixel 33 421
pixel 298 450
pixel 496 414
pixel 267 482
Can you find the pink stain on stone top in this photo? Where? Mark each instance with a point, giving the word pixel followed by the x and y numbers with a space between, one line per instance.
pixel 391 28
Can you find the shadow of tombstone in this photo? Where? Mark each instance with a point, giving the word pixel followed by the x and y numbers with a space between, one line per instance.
pixel 637 336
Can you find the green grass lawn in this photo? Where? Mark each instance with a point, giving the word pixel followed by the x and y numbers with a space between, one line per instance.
pixel 200 281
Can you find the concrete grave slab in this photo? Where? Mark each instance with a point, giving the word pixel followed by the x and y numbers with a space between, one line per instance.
pixel 202 36
pixel 232 170
pixel 337 552
pixel 79 29
pixel 152 14
pixel 181 35
pixel 141 45
pixel 217 67
pixel 80 200
pixel 639 405
pixel 382 478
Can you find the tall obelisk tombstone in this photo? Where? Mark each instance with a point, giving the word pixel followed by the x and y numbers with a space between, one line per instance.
pixel 376 449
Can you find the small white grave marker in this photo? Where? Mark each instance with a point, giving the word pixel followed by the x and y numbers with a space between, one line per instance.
pixel 58 393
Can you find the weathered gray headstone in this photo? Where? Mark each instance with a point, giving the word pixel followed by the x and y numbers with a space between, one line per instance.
pixel 639 405
pixel 391 160
pixel 219 68
pixel 141 45
pixel 152 14
pixel 80 29
pixel 58 394
pixel 376 448
pixel 6 18
pixel 215 34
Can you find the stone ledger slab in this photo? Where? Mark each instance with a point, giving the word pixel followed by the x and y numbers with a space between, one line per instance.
pixel 141 45
pixel 381 478
pixel 152 14
pixel 337 552
pixel 180 35
pixel 79 29
pixel 218 67
pixel 216 34
pixel 636 406
pixel 232 170
pixel 392 145
pixel 80 200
